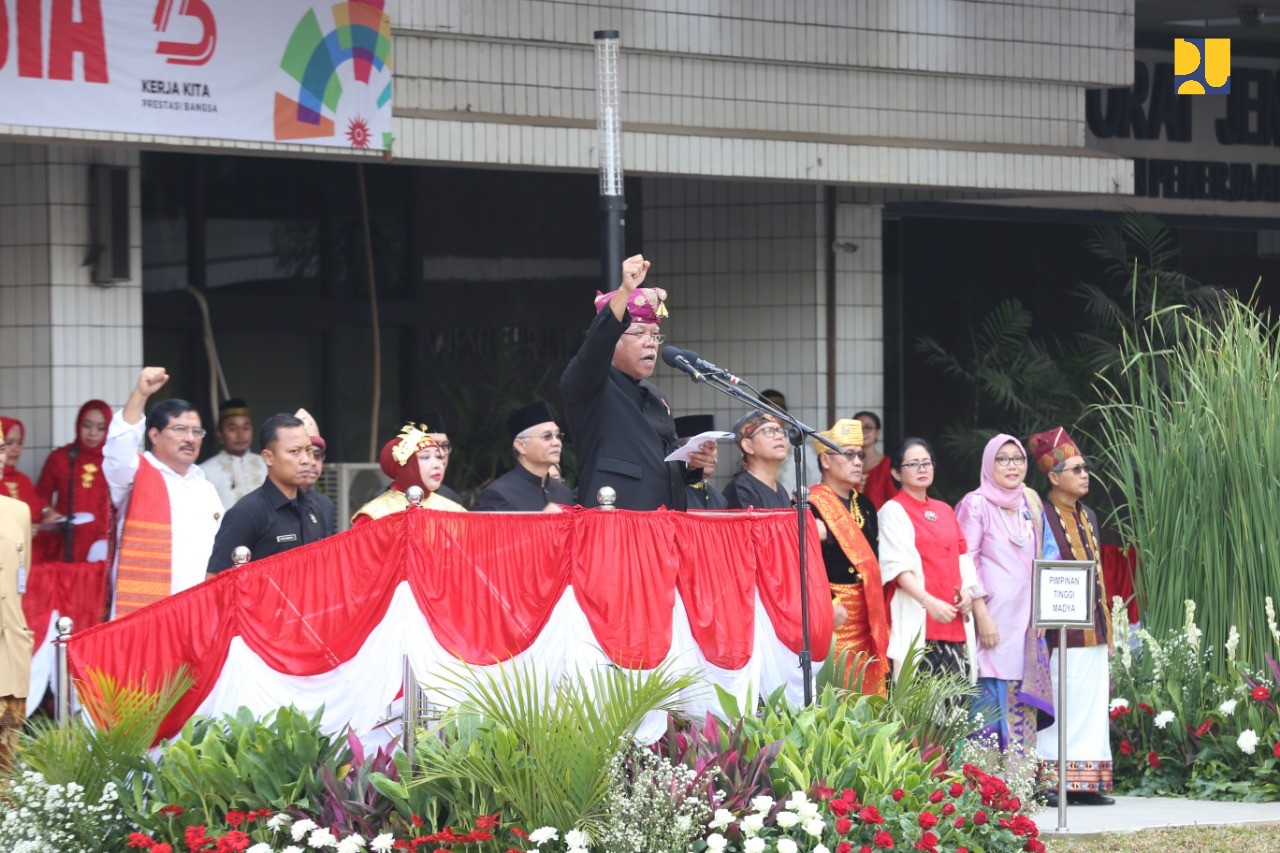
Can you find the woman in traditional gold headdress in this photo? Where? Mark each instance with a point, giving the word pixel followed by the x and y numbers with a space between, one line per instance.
pixel 410 459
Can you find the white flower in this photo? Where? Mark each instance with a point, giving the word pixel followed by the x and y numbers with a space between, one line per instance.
pixel 383 843
pixel 806 810
pixel 722 819
pixel 797 799
pixel 716 842
pixel 302 827
pixel 351 844
pixel 541 836
pixel 260 847
pixel 1164 718
pixel 322 838
pixel 1119 703
pixel 815 827
pixel 575 838
pixel 293 848
pixel 279 821
pixel 1227 708
pixel 786 820
pixel 762 803
pixel 821 848
pixel 752 823
pixel 1233 641
pixel 786 845
pixel 753 845
pixel 1248 741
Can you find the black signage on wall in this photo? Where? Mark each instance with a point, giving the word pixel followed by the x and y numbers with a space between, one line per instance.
pixel 1150 110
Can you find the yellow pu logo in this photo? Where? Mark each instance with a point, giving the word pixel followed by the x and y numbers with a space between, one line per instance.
pixel 1202 66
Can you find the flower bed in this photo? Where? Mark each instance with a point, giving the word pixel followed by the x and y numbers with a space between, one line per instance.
pixel 1177 730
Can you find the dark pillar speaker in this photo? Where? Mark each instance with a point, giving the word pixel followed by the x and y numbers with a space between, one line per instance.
pixel 109 214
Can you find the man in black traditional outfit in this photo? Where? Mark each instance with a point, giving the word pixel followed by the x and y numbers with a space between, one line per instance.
pixel 529 486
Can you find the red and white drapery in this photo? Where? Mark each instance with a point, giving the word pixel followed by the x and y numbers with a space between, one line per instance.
pixel 76 590
pixel 328 624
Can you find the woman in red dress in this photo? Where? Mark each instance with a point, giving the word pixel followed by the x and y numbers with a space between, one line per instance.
pixel 877 483
pixel 16 484
pixel 82 490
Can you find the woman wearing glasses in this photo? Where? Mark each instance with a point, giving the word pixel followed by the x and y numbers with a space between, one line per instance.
pixel 1000 522
pixel 849 539
pixel 71 481
pixel 763 443
pixel 925 564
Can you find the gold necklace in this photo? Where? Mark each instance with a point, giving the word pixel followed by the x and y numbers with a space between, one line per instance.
pixel 856 511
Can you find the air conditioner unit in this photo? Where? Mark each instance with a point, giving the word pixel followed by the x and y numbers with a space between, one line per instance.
pixel 350 485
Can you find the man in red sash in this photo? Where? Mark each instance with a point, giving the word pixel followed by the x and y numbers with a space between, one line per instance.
pixel 167 512
pixel 849 540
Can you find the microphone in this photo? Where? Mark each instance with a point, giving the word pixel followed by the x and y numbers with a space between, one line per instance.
pixel 707 367
pixel 675 357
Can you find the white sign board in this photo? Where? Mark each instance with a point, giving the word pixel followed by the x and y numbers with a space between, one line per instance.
pixel 298 71
pixel 1063 593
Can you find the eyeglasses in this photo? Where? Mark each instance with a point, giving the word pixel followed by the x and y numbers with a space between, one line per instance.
pixel 317 454
pixel 93 426
pixel 646 337
pixel 851 455
pixel 182 430
pixel 1006 461
pixel 545 436
pixel 1078 470
pixel 923 465
pixel 770 431
pixel 444 447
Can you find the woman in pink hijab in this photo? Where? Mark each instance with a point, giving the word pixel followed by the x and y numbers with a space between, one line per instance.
pixel 1000 522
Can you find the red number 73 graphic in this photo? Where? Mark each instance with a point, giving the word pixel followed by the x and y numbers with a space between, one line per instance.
pixel 186 53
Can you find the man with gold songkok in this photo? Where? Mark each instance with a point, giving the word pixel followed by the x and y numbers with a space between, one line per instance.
pixel 849 544
pixel 410 459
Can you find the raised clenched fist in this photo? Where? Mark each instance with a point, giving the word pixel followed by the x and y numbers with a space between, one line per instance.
pixel 151 380
pixel 634 269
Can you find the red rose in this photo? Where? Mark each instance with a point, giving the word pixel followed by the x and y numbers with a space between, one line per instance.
pixel 234 841
pixel 962 850
pixel 948 809
pixel 1204 728
pixel 1153 759
pixel 1260 693
pixel 137 839
pixel 1119 711
pixel 823 793
pixel 1276 750
pixel 1126 748
pixel 927 820
pixel 928 841
pixel 844 847
pixel 840 806
pixel 979 817
pixel 843 825
pixel 936 796
pixel 162 848
pixel 960 822
pixel 171 811
pixel 1143 706
pixel 195 838
pixel 866 848
pixel 956 789
pixel 1013 804
pixel 898 794
pixel 870 814
pixel 883 838
pixel 1034 846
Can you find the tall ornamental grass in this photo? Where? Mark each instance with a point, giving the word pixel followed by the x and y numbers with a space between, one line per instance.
pixel 1190 433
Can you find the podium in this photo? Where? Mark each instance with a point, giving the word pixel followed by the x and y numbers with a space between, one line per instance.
pixel 330 624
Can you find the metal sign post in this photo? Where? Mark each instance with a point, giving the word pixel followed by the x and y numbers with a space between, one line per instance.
pixel 1063 593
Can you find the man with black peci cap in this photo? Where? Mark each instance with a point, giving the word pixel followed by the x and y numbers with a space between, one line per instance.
pixel 436 431
pixel 529 487
pixel 701 495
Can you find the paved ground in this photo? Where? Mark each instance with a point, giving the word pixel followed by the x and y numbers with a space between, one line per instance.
pixel 1130 813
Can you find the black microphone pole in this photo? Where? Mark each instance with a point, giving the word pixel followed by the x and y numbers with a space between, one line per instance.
pixel 69 529
pixel 727 383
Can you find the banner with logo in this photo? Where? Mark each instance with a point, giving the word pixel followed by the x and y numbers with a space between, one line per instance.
pixel 317 73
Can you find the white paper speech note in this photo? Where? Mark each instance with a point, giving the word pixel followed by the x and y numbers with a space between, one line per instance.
pixel 683 454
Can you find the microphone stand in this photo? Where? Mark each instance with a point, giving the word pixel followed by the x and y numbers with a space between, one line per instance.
pixel 68 527
pixel 797 432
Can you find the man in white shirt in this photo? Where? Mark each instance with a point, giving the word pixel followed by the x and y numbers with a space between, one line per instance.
pixel 234 471
pixel 167 512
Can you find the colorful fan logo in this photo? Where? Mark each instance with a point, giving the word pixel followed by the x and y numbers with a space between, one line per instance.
pixel 343 76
